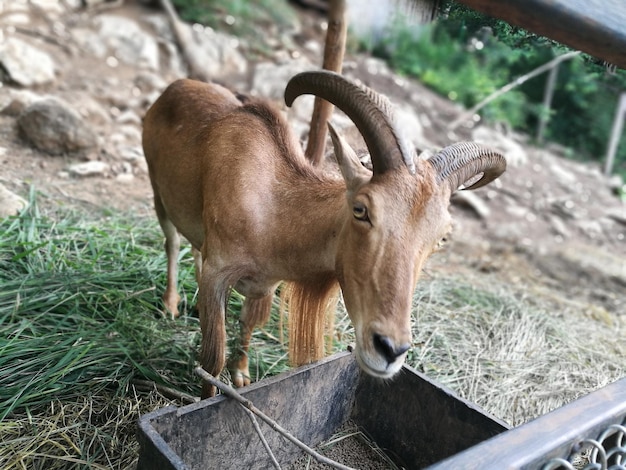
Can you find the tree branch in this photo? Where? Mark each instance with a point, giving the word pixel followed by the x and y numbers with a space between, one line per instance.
pixel 334 50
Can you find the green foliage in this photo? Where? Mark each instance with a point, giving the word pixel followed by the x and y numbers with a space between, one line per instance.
pixel 466 56
pixel 80 312
pixel 81 326
pixel 464 74
pixel 243 18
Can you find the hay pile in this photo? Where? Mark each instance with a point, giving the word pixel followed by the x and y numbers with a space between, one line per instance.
pixel 517 356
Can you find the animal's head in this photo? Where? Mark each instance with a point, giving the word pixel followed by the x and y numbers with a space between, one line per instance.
pixel 397 215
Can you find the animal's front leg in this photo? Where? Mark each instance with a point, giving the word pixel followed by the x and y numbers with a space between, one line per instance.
pixel 211 307
pixel 254 312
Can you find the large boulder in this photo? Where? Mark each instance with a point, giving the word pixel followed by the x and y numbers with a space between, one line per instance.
pixel 121 38
pixel 54 127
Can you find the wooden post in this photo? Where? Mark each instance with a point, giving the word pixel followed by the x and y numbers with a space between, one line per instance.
pixel 333 60
pixel 616 132
pixel 548 93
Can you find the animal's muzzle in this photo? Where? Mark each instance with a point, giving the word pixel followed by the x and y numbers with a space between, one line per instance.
pixel 388 349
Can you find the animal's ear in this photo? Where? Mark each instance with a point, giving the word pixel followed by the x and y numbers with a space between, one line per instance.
pixel 352 170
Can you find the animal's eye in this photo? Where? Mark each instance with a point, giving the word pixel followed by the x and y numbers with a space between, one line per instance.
pixel 360 211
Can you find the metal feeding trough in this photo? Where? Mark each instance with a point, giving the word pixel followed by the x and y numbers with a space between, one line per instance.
pixel 416 421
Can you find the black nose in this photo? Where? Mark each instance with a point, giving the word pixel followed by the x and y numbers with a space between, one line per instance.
pixel 384 345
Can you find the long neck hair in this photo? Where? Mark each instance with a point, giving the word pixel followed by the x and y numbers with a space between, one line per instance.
pixel 311 307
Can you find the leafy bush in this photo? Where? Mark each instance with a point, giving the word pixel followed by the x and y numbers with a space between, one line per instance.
pixel 461 73
pixel 239 17
pixel 466 56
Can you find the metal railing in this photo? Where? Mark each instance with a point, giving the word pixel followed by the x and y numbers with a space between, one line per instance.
pixel 586 434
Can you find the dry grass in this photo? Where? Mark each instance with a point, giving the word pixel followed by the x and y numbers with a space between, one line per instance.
pixel 80 326
pixel 516 356
pixel 92 431
pixel 351 447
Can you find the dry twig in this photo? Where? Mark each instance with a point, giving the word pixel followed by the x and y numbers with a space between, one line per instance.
pixel 167 392
pixel 258 430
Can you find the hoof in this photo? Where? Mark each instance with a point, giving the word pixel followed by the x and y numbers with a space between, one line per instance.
pixel 240 378
pixel 171 305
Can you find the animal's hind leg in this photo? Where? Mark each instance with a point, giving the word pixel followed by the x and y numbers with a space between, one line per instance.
pixel 172 248
pixel 211 307
pixel 254 312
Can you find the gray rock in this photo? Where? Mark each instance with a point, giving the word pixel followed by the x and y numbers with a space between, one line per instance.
pixel 126 41
pixel 90 42
pixel 128 117
pixel 125 178
pixel 559 227
pixel 564 177
pixel 10 203
pixel 13 102
pixel 409 125
pixel 218 52
pixel 473 202
pixel 148 82
pixel 130 154
pixel 93 168
pixel 514 152
pixel 55 127
pixel 618 214
pixel 270 79
pixel 591 228
pixel 24 64
pixel 584 264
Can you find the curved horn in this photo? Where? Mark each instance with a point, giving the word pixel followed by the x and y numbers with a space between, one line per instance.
pixel 460 162
pixel 371 113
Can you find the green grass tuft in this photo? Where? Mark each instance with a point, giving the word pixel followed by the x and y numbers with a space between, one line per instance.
pixel 79 311
pixel 81 323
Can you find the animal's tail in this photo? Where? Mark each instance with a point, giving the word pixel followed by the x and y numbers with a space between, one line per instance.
pixel 311 313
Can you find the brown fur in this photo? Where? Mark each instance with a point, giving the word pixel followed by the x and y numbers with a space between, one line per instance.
pixel 311 314
pixel 231 177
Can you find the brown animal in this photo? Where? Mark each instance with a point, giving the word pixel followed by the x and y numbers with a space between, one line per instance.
pixel 230 175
